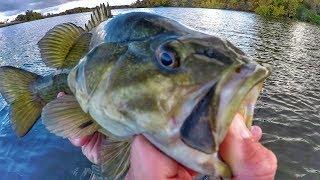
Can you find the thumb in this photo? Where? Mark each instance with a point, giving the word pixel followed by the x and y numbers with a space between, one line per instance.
pixel 147 162
pixel 247 158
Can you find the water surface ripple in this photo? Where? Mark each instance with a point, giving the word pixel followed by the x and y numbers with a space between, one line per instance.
pixel 288 110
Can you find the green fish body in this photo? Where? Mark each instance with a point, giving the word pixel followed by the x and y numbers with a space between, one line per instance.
pixel 140 73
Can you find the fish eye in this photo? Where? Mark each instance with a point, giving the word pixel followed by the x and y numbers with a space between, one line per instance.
pixel 168 59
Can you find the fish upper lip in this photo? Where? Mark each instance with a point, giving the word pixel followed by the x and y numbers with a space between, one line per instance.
pixel 232 89
pixel 229 92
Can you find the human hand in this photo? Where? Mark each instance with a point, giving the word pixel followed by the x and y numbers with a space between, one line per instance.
pixel 90 145
pixel 147 162
pixel 247 158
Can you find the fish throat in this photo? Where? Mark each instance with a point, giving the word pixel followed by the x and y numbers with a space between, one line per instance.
pixel 196 131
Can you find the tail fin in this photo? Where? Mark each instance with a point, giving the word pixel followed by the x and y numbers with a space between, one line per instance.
pixel 26 106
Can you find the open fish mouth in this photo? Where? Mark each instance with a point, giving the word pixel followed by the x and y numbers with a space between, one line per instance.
pixel 236 92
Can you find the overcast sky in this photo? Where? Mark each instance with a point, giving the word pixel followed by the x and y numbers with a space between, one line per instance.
pixel 9 9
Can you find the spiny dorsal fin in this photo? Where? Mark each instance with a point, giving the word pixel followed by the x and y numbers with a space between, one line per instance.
pixel 64 45
pixel 64 117
pixel 115 157
pixel 16 87
pixel 100 14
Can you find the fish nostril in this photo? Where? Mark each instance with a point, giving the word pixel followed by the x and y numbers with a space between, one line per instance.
pixel 238 69
pixel 210 53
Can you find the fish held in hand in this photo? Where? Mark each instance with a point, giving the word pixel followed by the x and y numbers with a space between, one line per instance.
pixel 138 73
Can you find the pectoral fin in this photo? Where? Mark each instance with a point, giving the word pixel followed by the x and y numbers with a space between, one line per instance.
pixel 115 157
pixel 64 117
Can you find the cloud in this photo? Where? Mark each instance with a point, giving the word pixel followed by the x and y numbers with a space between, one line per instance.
pixel 8 6
pixel 11 8
pixel 4 17
pixel 82 3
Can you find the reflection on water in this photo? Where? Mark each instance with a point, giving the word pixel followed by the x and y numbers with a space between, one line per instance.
pixel 288 110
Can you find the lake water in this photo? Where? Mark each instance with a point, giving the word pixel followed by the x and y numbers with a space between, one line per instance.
pixel 288 110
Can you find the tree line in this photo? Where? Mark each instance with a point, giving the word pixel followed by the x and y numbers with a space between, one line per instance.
pixel 32 15
pixel 306 10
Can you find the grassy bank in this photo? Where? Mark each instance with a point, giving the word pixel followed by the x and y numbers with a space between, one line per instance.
pixel 305 14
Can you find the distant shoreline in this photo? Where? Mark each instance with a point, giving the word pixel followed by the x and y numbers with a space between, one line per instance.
pixel 122 7
pixel 85 10
pixel 9 24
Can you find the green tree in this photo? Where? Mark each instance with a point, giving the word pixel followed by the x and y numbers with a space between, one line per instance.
pixel 29 16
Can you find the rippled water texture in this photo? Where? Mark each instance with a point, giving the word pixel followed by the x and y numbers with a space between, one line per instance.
pixel 288 111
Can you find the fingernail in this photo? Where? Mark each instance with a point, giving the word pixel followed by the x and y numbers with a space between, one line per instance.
pixel 241 128
pixel 255 129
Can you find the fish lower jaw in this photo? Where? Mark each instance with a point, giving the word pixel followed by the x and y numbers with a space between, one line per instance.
pixel 203 163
